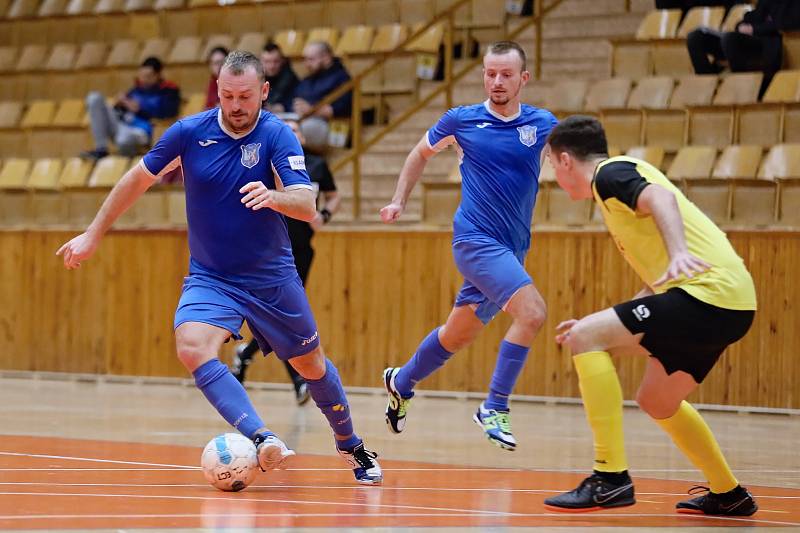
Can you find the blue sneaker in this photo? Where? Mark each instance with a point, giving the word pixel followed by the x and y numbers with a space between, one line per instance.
pixel 497 427
pixel 365 467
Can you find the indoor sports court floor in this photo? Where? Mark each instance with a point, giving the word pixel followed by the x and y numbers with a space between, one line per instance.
pixel 100 455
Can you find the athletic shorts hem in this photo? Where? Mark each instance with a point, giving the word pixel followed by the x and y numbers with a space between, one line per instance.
pixel 234 334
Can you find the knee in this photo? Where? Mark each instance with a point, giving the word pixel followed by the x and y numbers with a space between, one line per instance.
pixel 454 339
pixel 581 339
pixel 191 353
pixel 94 98
pixel 655 406
pixel 533 316
pixel 311 365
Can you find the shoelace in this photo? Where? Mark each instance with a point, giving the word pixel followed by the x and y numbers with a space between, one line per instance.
pixel 364 458
pixel 402 405
pixel 504 422
pixel 698 489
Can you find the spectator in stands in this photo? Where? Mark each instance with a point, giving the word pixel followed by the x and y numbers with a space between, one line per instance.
pixel 300 235
pixel 755 45
pixel 282 79
pixel 216 57
pixel 128 121
pixel 325 74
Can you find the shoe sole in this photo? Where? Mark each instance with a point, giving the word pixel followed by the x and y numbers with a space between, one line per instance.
pixel 387 377
pixel 699 512
pixel 557 509
pixel 500 444
pixel 370 481
pixel 272 457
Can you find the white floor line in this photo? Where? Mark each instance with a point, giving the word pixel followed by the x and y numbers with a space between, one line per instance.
pixel 112 461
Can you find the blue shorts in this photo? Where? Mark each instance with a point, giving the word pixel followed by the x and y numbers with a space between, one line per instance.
pixel 492 272
pixel 279 317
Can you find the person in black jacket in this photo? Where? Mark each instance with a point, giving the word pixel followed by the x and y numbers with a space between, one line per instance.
pixel 282 79
pixel 755 45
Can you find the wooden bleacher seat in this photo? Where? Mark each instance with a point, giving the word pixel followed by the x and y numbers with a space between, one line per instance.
pixel 31 57
pixel 157 47
pixel 22 9
pixel 62 57
pixel 39 114
pixel 715 125
pixel 108 6
pixel 399 75
pixel 75 173
pixel 735 16
pixel 252 42
pixel 51 8
pixel 108 171
pixel 80 7
pixel 388 37
pixel 557 208
pixel 624 126
pixel 15 172
pixel 762 123
pixel 752 199
pixel 416 11
pixel 213 41
pixel 71 113
pixel 487 14
pixel 196 103
pixel 92 55
pixel 8 58
pixel 652 154
pixel 659 24
pixel 426 47
pixel 631 59
pixel 169 4
pixel 291 42
pixel 45 173
pixel 566 97
pixel 609 93
pixel 132 6
pixel 10 114
pixel 355 40
pixel 782 164
pixel 701 16
pixel 143 26
pixel 692 168
pixel 667 127
pixel 324 35
pixel 124 53
pixel 186 50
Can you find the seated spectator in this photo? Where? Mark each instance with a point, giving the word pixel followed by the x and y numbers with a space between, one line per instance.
pixel 325 74
pixel 755 45
pixel 282 79
pixel 216 57
pixel 127 122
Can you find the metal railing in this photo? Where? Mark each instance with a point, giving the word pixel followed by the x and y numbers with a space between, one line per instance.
pixel 359 145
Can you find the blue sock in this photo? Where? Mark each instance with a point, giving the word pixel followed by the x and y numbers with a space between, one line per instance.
pixel 228 397
pixel 430 356
pixel 329 396
pixel 509 364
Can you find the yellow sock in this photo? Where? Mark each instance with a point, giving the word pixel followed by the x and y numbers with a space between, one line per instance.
pixel 692 435
pixel 602 399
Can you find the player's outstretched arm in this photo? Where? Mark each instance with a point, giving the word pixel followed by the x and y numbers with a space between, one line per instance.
pixel 661 204
pixel 409 176
pixel 294 203
pixel 132 185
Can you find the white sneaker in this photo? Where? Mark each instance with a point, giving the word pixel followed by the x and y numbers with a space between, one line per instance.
pixel 272 452
pixel 365 468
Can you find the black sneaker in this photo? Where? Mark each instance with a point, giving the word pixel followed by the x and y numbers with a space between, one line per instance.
pixel 397 406
pixel 735 502
pixel 593 494
pixel 95 155
pixel 240 362
pixel 302 394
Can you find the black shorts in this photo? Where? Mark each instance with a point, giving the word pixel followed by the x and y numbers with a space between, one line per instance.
pixel 682 332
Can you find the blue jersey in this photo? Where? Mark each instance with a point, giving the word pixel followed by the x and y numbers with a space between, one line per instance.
pixel 500 161
pixel 227 240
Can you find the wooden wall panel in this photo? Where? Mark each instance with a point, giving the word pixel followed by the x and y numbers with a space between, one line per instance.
pixel 375 294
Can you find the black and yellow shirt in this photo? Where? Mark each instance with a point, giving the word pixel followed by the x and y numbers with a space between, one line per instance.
pixel 617 184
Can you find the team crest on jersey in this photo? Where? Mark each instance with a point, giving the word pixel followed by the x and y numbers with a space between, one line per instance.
pixel 527 135
pixel 250 154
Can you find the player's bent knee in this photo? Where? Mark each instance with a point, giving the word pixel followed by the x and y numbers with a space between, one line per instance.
pixel 656 407
pixel 192 355
pixel 533 317
pixel 311 365
pixel 581 339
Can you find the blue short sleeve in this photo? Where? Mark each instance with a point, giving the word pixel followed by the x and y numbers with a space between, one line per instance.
pixel 289 160
pixel 446 127
pixel 165 155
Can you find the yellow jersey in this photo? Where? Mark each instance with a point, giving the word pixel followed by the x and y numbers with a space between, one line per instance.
pixel 616 186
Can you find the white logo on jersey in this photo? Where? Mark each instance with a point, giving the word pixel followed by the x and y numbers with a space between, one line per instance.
pixel 641 312
pixel 250 154
pixel 483 125
pixel 527 135
pixel 297 162
pixel 206 143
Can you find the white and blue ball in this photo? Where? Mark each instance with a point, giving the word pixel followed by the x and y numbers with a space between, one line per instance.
pixel 230 462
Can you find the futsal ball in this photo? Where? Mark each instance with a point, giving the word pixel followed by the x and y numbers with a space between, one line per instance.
pixel 230 462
